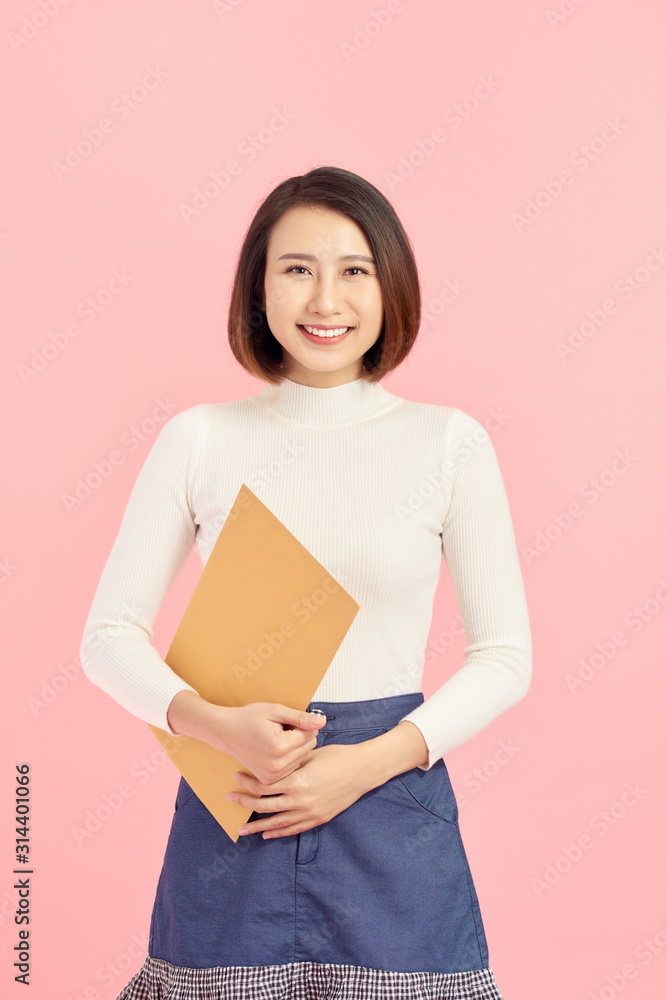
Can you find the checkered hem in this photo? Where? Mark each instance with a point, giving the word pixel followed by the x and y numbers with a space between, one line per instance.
pixel 160 980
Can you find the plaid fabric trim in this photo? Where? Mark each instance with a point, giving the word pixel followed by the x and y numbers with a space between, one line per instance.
pixel 160 980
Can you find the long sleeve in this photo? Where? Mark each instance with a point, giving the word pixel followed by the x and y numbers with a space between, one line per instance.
pixel 480 552
pixel 156 535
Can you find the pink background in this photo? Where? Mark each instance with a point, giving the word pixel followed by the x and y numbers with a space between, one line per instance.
pixel 366 90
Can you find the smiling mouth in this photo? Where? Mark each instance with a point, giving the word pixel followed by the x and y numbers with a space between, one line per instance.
pixel 333 334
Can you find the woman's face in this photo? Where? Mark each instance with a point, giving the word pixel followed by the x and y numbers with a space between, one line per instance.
pixel 320 273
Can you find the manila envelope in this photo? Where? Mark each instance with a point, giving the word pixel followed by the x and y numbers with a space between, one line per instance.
pixel 263 624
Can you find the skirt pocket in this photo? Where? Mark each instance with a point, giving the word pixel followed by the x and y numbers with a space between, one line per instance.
pixel 433 790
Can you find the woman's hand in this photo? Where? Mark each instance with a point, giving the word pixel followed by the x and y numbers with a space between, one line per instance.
pixel 268 738
pixel 330 780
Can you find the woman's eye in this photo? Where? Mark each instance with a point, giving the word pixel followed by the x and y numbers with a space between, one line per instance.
pixel 300 267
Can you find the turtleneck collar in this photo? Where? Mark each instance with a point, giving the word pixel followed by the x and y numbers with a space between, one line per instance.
pixel 314 406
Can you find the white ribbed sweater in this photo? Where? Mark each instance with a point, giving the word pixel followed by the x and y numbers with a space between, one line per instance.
pixel 378 489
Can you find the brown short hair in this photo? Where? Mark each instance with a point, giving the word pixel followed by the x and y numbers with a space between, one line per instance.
pixel 250 338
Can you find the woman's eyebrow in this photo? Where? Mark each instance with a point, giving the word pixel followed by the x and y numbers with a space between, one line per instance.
pixel 310 256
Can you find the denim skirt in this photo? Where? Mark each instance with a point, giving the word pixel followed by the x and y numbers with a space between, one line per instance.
pixel 377 902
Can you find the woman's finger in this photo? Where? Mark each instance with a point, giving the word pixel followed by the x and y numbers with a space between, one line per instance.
pixel 271 834
pixel 272 826
pixel 261 805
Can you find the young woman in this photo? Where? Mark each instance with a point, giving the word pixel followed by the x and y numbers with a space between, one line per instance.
pixel 350 879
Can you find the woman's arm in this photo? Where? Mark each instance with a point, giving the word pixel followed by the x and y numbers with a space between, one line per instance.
pixel 480 552
pixel 155 537
pixel 191 715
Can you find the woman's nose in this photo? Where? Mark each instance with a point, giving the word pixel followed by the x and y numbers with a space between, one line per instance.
pixel 326 297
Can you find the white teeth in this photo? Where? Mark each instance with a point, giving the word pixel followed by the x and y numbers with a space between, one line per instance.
pixel 327 333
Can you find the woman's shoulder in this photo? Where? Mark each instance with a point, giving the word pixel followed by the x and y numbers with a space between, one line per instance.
pixel 451 420
pixel 204 416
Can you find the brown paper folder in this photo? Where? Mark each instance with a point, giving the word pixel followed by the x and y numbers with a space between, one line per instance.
pixel 263 624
